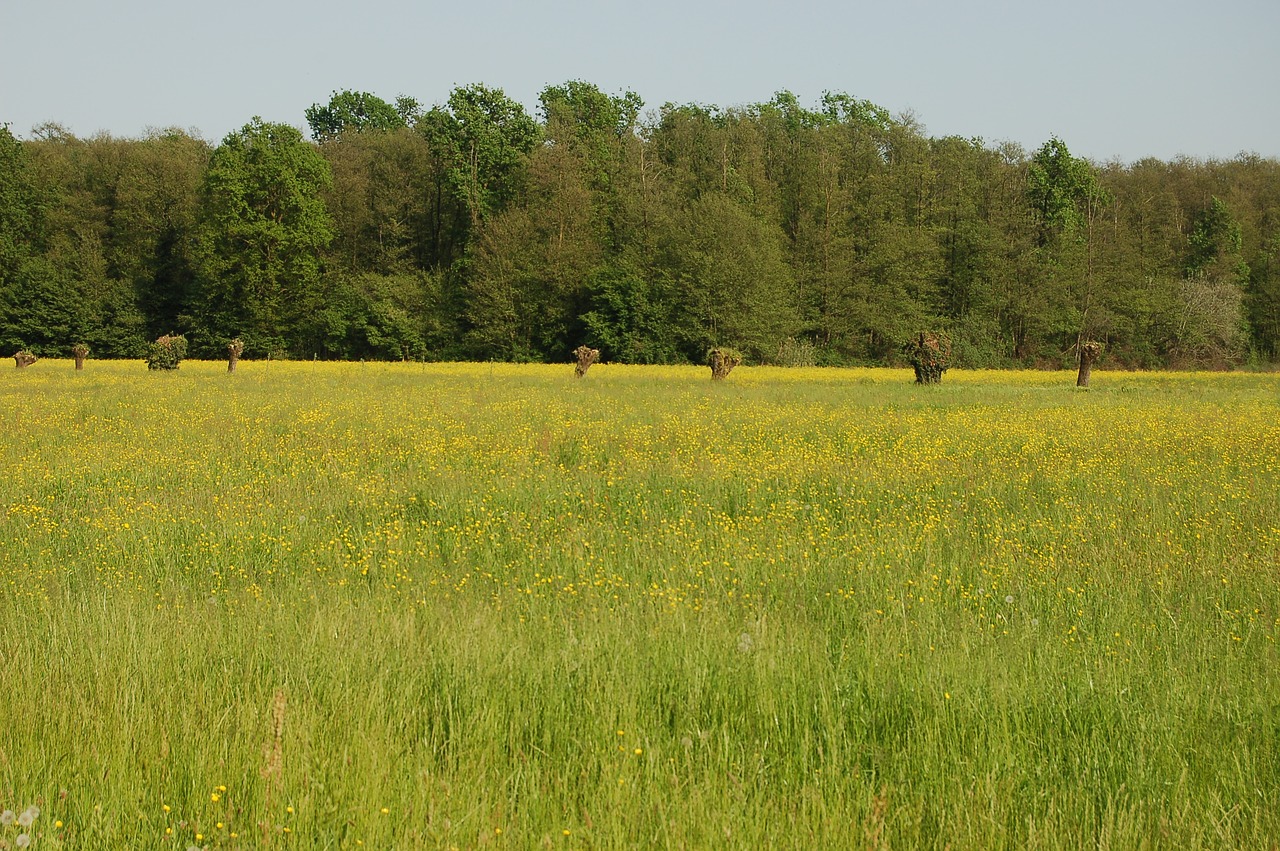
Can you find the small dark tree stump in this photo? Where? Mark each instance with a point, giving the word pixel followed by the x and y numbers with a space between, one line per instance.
pixel 80 351
pixel 722 361
pixel 23 359
pixel 930 356
pixel 1089 351
pixel 234 349
pixel 585 357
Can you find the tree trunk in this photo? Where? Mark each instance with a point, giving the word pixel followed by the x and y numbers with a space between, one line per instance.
pixel 585 357
pixel 722 363
pixel 1089 352
pixel 234 349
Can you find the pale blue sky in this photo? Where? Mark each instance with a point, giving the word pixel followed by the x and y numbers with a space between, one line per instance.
pixel 1113 78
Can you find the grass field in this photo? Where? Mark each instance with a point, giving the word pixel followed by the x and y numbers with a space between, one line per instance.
pixel 406 606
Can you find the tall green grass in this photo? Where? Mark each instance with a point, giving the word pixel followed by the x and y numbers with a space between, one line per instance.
pixel 494 606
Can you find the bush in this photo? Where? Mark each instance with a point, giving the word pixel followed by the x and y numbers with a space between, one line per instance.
pixel 167 352
pixel 930 356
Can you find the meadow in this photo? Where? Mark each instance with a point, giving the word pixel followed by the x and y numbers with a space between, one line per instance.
pixel 491 606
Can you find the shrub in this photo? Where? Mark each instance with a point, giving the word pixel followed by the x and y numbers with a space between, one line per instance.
pixel 167 352
pixel 930 355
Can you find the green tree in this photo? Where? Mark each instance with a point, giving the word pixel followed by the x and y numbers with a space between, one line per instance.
pixel 19 204
pixel 19 216
pixel 349 111
pixel 732 284
pixel 485 139
pixel 380 201
pixel 85 293
pixel 526 291
pixel 1210 326
pixel 630 317
pixel 1263 301
pixel 580 115
pixel 261 231
pixel 1067 201
pixel 1214 245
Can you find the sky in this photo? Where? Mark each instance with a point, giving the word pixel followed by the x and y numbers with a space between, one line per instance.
pixel 1114 79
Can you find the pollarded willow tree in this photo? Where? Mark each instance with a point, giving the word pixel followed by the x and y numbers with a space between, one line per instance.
pixel 261 229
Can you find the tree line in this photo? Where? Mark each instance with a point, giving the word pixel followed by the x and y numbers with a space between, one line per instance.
pixel 829 234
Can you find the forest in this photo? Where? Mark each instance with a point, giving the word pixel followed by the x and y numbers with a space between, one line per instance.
pixel 472 230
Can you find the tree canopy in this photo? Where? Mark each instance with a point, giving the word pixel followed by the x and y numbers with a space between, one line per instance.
pixel 473 229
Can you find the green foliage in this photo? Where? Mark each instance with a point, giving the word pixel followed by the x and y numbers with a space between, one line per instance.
pixel 587 111
pixel 19 204
pixel 843 108
pixel 380 317
pixel 470 230
pixel 1059 186
pixel 261 230
pixel 356 112
pixel 381 203
pixel 731 281
pixel 484 138
pixel 31 312
pixel 629 317
pixel 1263 299
pixel 579 115
pixel 930 356
pixel 1214 244
pixel 167 352
pixel 40 309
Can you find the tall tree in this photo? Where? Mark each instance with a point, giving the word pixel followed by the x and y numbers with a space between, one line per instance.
pixel 19 204
pixel 1263 301
pixel 262 228
pixel 1211 321
pixel 732 284
pixel 530 267
pixel 34 310
pixel 81 260
pixel 1067 200
pixel 349 111
pixel 485 137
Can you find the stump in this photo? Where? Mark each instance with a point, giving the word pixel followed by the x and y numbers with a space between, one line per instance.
pixel 930 356
pixel 722 361
pixel 23 359
pixel 1089 352
pixel 80 351
pixel 585 357
pixel 234 349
